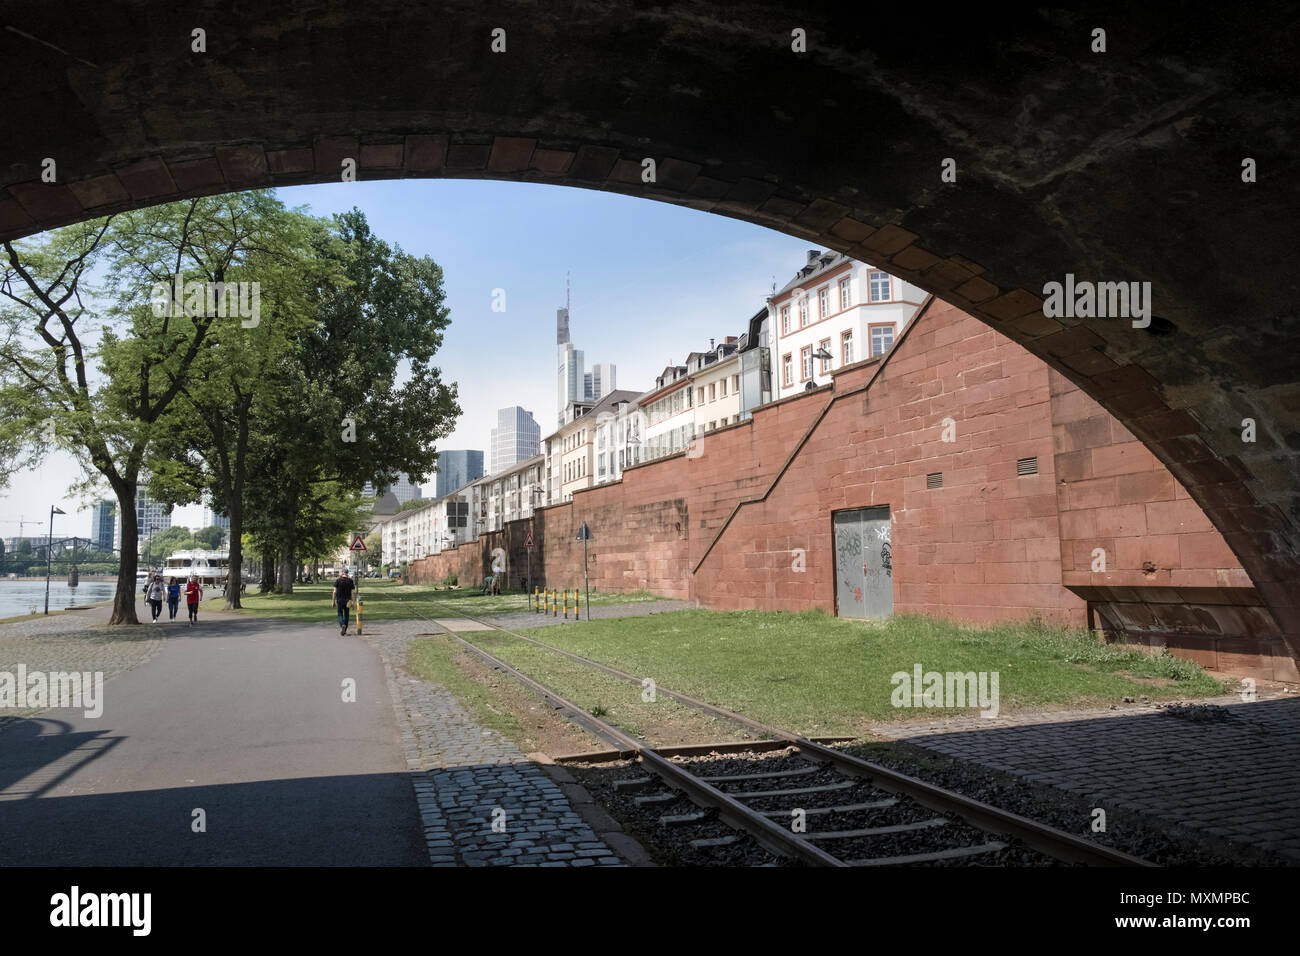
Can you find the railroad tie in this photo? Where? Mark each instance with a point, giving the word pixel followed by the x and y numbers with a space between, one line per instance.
pixel 991 847
pixel 848 808
pixel 878 831
pixel 681 819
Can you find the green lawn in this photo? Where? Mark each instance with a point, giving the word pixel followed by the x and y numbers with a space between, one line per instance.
pixel 818 674
pixel 389 601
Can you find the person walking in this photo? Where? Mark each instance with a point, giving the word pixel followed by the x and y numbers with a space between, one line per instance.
pixel 173 598
pixel 342 597
pixel 193 595
pixel 155 596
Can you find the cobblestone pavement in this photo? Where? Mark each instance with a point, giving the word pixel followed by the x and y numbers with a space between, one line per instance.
pixel 1231 769
pixel 75 641
pixel 466 776
pixel 636 609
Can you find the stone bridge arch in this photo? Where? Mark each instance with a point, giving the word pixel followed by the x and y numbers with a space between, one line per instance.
pixel 1123 165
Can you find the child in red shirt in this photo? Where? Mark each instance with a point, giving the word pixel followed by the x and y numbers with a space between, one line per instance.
pixel 193 594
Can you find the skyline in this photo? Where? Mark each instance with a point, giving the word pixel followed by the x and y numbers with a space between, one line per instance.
pixel 638 271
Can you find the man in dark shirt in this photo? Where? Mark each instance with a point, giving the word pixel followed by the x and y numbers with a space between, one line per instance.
pixel 343 589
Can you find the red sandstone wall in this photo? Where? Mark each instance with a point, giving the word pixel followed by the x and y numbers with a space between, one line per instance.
pixel 984 547
pixel 1113 494
pixel 990 545
pixel 1170 579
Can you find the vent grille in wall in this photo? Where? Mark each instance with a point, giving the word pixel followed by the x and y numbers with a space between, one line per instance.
pixel 934 481
pixel 1027 466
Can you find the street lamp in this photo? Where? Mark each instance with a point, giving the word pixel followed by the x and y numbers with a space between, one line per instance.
pixel 824 356
pixel 49 555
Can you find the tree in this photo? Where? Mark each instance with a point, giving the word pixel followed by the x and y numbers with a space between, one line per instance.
pixel 374 549
pixel 343 419
pixel 164 542
pixel 49 395
pixel 210 537
pixel 234 393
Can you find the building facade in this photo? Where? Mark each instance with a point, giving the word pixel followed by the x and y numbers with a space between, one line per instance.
pixel 457 468
pixel 150 517
pixel 103 518
pixel 509 495
pixel 844 309
pixel 403 489
pixel 571 461
pixel 516 438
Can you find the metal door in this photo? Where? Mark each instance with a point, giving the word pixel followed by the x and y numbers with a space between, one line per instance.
pixel 864 574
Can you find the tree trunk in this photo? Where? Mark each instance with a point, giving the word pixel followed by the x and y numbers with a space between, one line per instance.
pixel 126 595
pixel 287 565
pixel 268 570
pixel 235 509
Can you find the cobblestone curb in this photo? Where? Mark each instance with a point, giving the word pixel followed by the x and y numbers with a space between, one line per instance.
pixel 467 778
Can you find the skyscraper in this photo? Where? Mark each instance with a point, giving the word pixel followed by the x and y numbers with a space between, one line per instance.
pixel 570 383
pixel 403 489
pixel 457 468
pixel 150 517
pixel 603 382
pixel 516 438
pixel 102 517
pixel 212 519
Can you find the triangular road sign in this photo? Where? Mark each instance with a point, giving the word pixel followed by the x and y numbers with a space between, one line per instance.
pixel 357 543
pixel 528 540
pixel 584 533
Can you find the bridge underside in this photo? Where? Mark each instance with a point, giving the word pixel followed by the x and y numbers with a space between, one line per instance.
pixel 1124 165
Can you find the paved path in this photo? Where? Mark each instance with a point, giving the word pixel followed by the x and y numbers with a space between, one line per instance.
pixel 243 719
pixel 1231 769
pixel 466 778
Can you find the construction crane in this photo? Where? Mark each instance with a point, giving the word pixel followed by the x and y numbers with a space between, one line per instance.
pixel 21 522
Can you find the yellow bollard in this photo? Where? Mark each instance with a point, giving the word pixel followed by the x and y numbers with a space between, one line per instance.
pixel 534 600
pixel 358 614
pixel 555 603
pixel 566 604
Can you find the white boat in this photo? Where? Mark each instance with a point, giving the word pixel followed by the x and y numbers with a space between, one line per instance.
pixel 211 567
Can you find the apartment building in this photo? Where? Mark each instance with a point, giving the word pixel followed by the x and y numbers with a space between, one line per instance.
pixel 571 450
pixel 509 495
pixel 834 312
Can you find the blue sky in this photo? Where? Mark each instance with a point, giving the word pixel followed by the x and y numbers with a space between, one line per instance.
pixel 650 282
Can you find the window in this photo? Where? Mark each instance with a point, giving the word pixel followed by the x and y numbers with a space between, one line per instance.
pixel 825 346
pixel 722 388
pixel 713 392
pixel 803 311
pixel 787 368
pixel 823 302
pixel 846 295
pixel 880 287
pixel 735 383
pixel 882 337
pixel 846 347
pixel 805 363
pixel 785 320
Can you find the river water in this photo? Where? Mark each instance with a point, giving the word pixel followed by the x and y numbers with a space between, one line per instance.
pixel 18 597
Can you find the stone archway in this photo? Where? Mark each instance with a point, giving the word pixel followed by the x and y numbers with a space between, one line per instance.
pixel 1117 166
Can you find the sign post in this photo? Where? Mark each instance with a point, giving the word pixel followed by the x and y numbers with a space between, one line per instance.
pixel 528 546
pixel 358 544
pixel 584 535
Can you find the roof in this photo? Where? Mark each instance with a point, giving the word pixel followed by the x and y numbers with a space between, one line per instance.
pixel 614 398
pixel 822 263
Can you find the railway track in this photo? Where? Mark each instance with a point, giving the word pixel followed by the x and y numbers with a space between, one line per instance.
pixel 813 803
